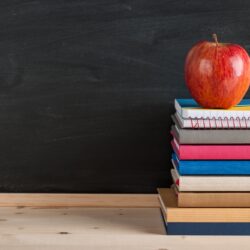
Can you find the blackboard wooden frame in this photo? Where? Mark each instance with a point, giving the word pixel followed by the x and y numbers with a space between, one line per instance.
pixel 46 200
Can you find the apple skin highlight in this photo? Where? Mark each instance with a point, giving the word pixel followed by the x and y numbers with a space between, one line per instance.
pixel 217 75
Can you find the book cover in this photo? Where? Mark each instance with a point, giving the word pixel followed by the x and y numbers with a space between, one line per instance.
pixel 212 123
pixel 176 227
pixel 188 108
pixel 189 228
pixel 210 136
pixel 214 167
pixel 173 213
pixel 213 199
pixel 213 183
pixel 211 152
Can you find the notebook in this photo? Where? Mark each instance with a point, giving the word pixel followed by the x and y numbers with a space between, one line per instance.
pixel 213 183
pixel 188 108
pixel 203 167
pixel 203 123
pixel 210 136
pixel 211 152
pixel 168 200
pixel 213 199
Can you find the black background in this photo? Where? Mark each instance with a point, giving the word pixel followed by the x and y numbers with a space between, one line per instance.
pixel 87 88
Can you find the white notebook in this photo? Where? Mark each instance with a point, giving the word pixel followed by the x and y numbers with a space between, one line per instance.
pixel 210 183
pixel 188 108
pixel 212 123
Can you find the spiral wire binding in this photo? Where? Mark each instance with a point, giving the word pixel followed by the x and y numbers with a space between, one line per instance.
pixel 220 122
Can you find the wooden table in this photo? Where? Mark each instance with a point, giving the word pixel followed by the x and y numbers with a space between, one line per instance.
pixel 98 228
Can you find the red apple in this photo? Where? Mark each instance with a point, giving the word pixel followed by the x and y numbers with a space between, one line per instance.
pixel 217 74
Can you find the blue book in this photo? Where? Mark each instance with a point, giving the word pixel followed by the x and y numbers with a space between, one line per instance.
pixel 203 167
pixel 208 228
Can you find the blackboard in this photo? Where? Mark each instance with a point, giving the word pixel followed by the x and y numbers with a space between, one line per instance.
pixel 87 88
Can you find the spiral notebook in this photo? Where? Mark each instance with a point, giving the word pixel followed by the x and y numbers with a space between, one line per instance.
pixel 209 136
pixel 190 115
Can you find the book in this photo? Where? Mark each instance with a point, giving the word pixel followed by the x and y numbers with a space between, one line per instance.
pixel 209 228
pixel 210 136
pixel 213 183
pixel 173 213
pixel 214 167
pixel 202 221
pixel 202 123
pixel 213 199
pixel 188 108
pixel 211 152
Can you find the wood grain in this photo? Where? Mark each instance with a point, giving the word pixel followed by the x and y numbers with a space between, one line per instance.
pixel 99 228
pixel 78 200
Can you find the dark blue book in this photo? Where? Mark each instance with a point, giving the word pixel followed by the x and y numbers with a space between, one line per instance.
pixel 213 167
pixel 207 228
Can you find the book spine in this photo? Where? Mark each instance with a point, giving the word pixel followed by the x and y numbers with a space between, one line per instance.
pixel 213 199
pixel 208 228
pixel 180 214
pixel 213 136
pixel 212 167
pixel 212 152
pixel 213 183
pixel 210 183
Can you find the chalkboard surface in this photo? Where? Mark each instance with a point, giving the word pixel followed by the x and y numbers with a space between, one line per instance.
pixel 87 88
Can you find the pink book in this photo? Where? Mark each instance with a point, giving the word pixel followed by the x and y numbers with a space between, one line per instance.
pixel 211 152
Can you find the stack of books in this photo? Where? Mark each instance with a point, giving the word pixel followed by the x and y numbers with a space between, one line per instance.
pixel 211 171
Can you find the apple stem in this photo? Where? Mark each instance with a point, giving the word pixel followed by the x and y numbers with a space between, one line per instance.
pixel 215 39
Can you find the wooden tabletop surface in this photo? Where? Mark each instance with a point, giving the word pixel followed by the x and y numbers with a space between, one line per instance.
pixel 98 228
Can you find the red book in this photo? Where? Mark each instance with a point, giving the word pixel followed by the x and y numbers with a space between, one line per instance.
pixel 211 152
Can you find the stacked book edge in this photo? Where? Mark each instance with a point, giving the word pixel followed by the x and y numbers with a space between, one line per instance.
pixel 211 171
pixel 202 221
